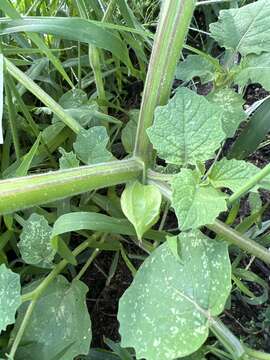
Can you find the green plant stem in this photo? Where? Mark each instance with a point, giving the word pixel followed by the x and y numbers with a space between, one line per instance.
pixel 42 96
pixel 254 180
pixel 242 241
pixel 230 235
pixel 22 328
pixel 91 258
pixel 227 338
pixel 254 354
pixel 20 193
pixel 172 28
pixel 35 294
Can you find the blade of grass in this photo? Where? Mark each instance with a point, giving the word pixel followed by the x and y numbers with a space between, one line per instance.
pixel 42 96
pixel 12 13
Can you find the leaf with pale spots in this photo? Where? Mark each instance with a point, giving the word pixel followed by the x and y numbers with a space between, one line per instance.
pixel 231 104
pixel 35 245
pixel 245 29
pixel 141 204
pixel 90 145
pixel 165 313
pixel 254 69
pixel 195 202
pixel 232 174
pixel 188 129
pixel 196 66
pixel 10 296
pixel 60 326
pixel 68 159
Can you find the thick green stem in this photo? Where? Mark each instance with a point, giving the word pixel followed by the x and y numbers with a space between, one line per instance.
pixel 172 28
pixel 22 328
pixel 227 338
pixel 20 193
pixel 231 235
pixel 242 241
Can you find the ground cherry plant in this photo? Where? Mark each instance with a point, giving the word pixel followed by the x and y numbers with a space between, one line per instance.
pixel 64 67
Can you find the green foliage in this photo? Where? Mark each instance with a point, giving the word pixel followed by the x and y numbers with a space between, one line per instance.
pixel 244 30
pixel 231 104
pixel 254 69
pixel 72 79
pixel 178 325
pixel 189 199
pixel 10 295
pixel 186 130
pixel 35 246
pixel 59 324
pixel 196 66
pixel 141 204
pixel 90 145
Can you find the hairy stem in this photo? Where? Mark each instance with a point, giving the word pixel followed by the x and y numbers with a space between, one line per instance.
pixel 175 17
pixel 23 192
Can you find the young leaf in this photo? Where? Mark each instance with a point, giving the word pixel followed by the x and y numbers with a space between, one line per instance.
pixel 60 321
pixel 245 30
pixel 195 66
pixel 165 313
pixel 90 145
pixel 10 296
pixel 141 205
pixel 231 104
pixel 195 203
pixel 254 69
pixel 35 245
pixel 231 174
pixel 188 129
pixel 68 159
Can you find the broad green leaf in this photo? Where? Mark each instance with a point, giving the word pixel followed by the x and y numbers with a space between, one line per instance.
pixel 254 69
pixel 231 174
pixel 128 135
pixel 1 95
pixel 195 66
pixel 10 296
pixel 99 222
pixel 68 159
pixel 35 246
pixel 77 29
pixel 59 324
pixel 188 129
pixel 245 29
pixel 231 104
pixel 141 205
pixel 195 203
pixel 90 145
pixel 74 98
pixel 166 311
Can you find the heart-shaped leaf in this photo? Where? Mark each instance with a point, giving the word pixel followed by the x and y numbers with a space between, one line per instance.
pixel 188 129
pixel 167 310
pixel 141 203
pixel 195 203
